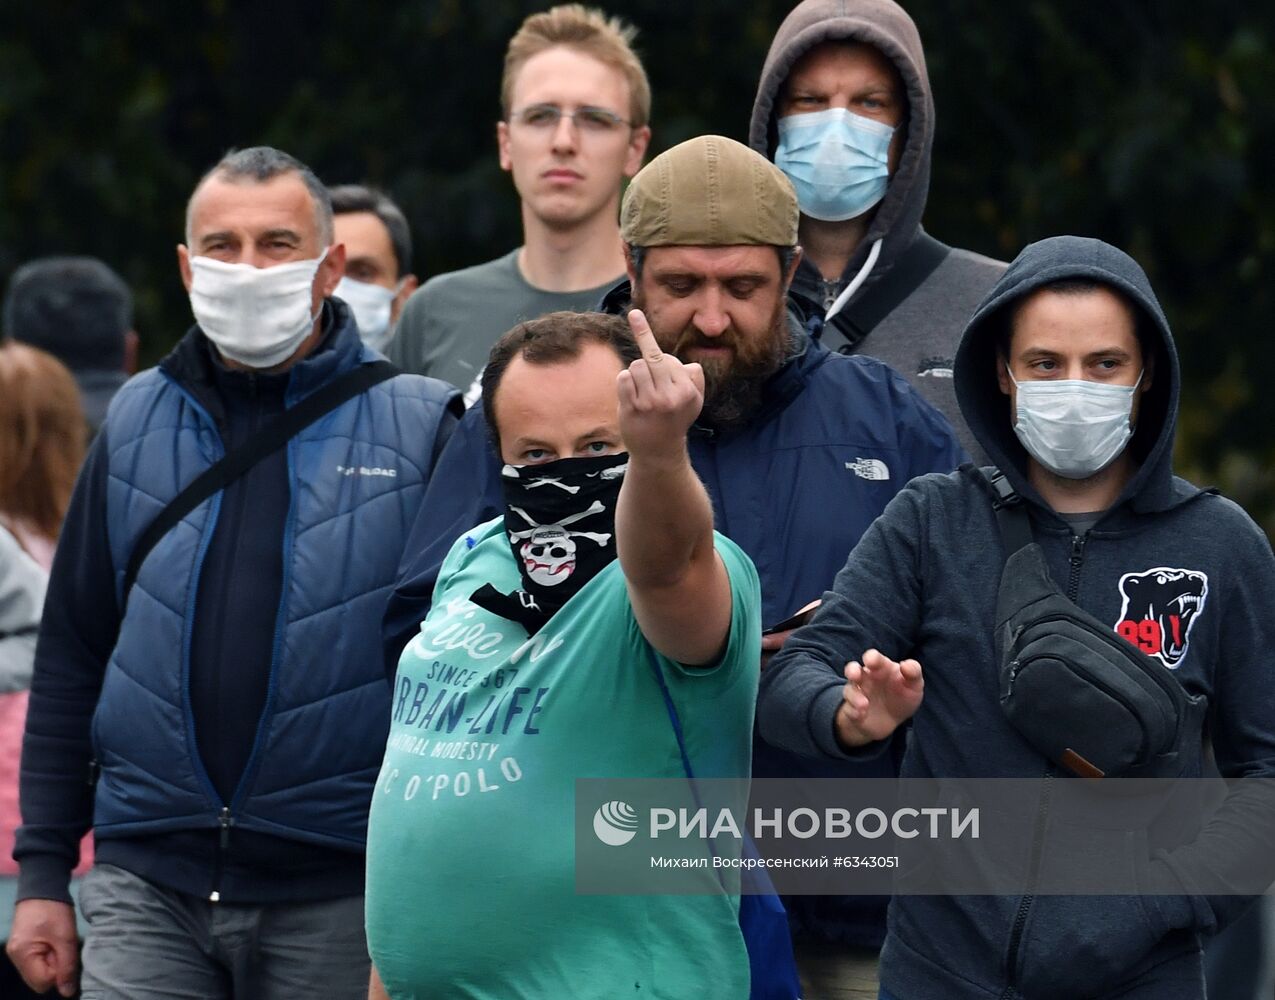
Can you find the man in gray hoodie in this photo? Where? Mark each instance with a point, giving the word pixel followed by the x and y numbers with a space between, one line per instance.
pixel 1069 377
pixel 844 109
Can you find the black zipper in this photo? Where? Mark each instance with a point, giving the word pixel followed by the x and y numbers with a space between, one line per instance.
pixel 225 821
pixel 1042 814
pixel 1025 904
pixel 1077 556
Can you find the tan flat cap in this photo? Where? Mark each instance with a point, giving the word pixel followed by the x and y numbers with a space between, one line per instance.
pixel 709 191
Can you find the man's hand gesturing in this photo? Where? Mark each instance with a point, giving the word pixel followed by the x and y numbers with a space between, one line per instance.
pixel 880 694
pixel 43 945
pixel 659 398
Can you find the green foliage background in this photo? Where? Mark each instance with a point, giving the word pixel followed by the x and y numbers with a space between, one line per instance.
pixel 1149 123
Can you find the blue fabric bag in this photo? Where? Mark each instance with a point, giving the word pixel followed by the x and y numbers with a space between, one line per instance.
pixel 762 918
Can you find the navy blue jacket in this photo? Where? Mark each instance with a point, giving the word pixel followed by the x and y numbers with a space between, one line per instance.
pixel 220 694
pixel 1183 569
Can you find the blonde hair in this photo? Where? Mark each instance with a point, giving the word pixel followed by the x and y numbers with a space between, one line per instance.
pixel 43 435
pixel 589 31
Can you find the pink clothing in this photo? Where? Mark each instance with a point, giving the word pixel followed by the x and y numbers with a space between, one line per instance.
pixel 13 713
pixel 13 717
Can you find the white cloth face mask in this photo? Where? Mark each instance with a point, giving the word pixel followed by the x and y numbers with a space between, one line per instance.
pixel 257 316
pixel 371 305
pixel 1073 427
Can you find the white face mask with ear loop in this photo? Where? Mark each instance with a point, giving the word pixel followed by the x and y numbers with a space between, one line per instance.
pixel 371 305
pixel 1073 427
pixel 257 316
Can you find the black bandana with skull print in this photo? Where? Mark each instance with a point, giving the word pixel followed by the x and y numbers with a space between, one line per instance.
pixel 560 522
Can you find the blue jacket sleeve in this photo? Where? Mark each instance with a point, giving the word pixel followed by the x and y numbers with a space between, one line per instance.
pixel 453 410
pixel 875 602
pixel 77 634
pixel 463 492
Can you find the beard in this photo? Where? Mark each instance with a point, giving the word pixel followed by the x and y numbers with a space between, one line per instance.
pixel 732 386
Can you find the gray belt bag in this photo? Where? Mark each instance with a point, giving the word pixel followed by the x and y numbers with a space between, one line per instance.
pixel 1084 697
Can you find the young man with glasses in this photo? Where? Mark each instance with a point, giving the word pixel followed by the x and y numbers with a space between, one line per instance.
pixel 575 103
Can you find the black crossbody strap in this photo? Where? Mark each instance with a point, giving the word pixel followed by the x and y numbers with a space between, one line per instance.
pixel 862 313
pixel 1011 515
pixel 277 433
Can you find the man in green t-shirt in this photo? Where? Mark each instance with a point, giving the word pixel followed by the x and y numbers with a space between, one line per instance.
pixel 553 631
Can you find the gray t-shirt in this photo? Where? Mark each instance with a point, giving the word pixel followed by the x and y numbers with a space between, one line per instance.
pixel 1080 523
pixel 448 327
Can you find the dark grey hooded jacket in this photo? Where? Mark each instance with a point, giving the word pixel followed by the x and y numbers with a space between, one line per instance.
pixel 923 583
pixel 919 336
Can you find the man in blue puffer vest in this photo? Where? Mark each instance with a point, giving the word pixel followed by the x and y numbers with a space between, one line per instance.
pixel 230 706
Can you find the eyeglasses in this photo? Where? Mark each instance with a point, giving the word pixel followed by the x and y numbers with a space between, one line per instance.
pixel 545 117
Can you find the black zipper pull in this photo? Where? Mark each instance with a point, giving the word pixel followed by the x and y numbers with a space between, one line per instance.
pixel 1077 554
pixel 227 821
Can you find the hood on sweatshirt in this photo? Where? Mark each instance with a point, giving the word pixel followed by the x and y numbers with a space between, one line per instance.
pixel 887 27
pixel 986 409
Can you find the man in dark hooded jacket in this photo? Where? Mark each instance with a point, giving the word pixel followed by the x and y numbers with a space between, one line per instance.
pixel 1072 347
pixel 844 109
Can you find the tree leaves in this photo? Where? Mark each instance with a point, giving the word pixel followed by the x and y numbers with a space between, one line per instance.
pixel 1148 125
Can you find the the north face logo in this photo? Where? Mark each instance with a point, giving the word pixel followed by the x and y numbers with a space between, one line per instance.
pixel 1158 609
pixel 934 368
pixel 869 468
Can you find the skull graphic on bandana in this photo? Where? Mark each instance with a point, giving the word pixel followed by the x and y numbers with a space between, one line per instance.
pixel 549 555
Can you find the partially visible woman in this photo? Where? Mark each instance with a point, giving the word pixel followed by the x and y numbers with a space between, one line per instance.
pixel 43 435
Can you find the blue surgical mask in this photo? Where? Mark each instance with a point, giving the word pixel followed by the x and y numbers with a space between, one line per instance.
pixel 1073 427
pixel 837 161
